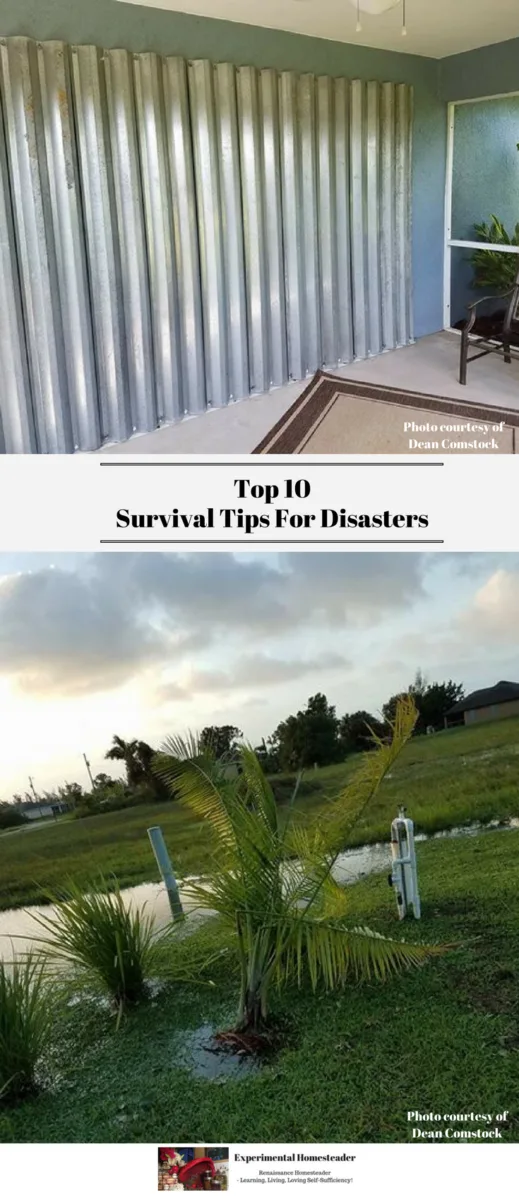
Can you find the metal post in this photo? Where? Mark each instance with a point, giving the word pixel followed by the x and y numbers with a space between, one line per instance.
pixel 164 864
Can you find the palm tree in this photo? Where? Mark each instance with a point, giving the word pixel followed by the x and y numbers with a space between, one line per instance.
pixel 137 757
pixel 272 881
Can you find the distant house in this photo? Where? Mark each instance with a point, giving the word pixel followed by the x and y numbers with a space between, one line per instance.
pixel 37 812
pixel 489 704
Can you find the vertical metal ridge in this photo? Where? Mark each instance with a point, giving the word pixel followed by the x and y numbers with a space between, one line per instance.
pixel 327 221
pixel 232 228
pixel 308 202
pixel 372 216
pixel 73 296
pixel 256 261
pixel 292 224
pixel 402 224
pixel 408 266
pixel 207 184
pixel 342 247
pixel 130 227
pixel 22 107
pixel 160 247
pixel 276 302
pixel 19 433
pixel 358 230
pixel 101 242
pixel 387 216
pixel 185 234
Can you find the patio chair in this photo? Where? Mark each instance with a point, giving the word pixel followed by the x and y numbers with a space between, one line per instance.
pixel 500 340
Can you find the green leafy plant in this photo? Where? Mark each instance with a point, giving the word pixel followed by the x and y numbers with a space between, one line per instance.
pixel 272 881
pixel 104 940
pixel 26 1017
pixel 493 269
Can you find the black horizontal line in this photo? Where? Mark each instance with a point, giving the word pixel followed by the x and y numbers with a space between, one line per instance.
pixel 271 542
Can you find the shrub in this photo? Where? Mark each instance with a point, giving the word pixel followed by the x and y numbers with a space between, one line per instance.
pixel 104 940
pixel 26 1016
pixel 492 268
pixel 10 818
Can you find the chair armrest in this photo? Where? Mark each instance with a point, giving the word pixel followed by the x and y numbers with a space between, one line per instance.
pixel 500 296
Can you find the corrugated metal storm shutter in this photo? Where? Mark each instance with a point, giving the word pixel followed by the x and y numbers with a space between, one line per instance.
pixel 176 235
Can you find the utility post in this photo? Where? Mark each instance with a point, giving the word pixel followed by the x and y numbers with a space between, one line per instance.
pixel 87 765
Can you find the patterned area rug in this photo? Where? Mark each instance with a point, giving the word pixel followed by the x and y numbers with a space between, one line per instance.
pixel 345 416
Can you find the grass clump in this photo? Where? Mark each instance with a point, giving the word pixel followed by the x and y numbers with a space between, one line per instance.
pixel 105 941
pixel 26 1018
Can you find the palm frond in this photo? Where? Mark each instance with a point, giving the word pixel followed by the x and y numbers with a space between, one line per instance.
pixel 200 781
pixel 343 813
pixel 331 953
pixel 258 787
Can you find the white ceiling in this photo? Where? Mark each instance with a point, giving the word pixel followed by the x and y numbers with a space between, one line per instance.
pixel 436 28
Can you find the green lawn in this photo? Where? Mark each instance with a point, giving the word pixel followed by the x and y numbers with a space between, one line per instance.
pixel 452 778
pixel 445 1038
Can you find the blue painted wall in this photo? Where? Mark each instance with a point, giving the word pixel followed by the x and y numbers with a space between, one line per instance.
pixel 113 24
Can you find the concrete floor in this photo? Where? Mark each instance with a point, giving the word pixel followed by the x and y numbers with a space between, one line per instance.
pixel 430 365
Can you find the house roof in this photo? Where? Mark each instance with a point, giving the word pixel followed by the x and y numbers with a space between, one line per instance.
pixel 500 693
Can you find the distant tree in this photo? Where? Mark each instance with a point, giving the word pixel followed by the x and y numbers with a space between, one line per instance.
pixel 137 757
pixel 433 701
pixel 310 738
pixel 221 740
pixel 355 731
pixel 436 702
pixel 27 798
pixel 71 793
pixel 287 744
pixel 268 756
pixel 10 818
pixel 102 780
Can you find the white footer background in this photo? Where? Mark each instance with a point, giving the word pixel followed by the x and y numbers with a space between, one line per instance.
pixel 388 1172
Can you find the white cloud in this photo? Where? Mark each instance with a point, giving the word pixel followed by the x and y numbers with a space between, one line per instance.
pixel 494 611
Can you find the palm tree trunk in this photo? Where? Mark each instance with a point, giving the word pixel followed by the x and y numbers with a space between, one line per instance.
pixel 252 1005
pixel 250 1015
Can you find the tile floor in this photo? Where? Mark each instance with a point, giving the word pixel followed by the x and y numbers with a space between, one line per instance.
pixel 430 365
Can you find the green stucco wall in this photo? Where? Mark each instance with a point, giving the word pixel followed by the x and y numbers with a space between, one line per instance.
pixel 490 71
pixel 486 161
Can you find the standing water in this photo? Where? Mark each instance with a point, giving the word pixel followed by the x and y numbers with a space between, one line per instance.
pixel 19 931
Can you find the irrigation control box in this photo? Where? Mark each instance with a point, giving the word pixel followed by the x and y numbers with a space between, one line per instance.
pixel 403 877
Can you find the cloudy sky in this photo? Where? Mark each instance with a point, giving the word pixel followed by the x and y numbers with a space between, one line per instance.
pixel 149 644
